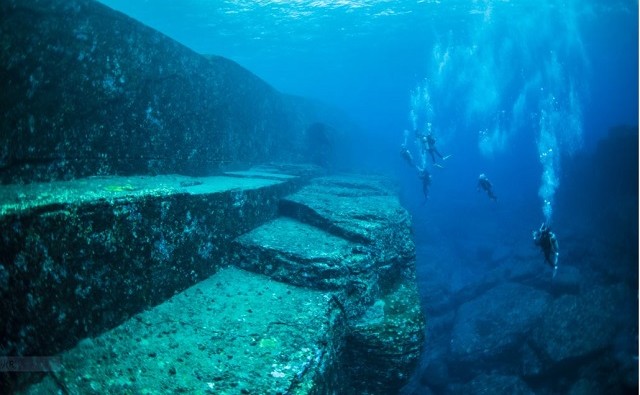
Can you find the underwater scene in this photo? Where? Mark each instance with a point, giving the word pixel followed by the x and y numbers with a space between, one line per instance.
pixel 429 197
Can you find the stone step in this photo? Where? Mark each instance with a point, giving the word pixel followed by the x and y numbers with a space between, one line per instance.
pixel 359 209
pixel 234 333
pixel 350 236
pixel 25 199
pixel 78 257
pixel 355 185
pixel 297 253
pixel 385 339
pixel 82 267
pixel 280 171
pixel 345 233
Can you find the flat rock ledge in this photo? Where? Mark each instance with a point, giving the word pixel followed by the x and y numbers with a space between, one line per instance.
pixel 232 333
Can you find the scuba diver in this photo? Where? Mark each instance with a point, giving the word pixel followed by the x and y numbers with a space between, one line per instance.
pixel 429 145
pixel 485 185
pixel 406 155
pixel 547 241
pixel 425 177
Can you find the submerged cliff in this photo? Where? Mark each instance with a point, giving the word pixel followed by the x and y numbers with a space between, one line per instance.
pixel 86 90
pixel 148 286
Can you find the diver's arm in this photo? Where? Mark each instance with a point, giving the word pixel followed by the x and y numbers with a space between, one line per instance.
pixel 536 237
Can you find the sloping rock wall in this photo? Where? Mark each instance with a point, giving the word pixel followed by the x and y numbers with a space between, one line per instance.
pixel 85 90
pixel 350 237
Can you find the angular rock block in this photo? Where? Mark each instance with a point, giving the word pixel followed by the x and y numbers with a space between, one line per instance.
pixel 233 333
pixel 597 316
pixel 495 324
pixel 385 344
pixel 359 211
pixel 364 210
pixel 301 254
pixel 350 237
pixel 294 252
pixel 79 257
pixel 352 208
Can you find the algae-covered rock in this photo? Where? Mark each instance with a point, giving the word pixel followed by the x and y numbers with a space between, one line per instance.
pixel 86 90
pixel 576 326
pixel 81 256
pixel 326 314
pixel 384 345
pixel 233 333
pixel 91 98
pixel 350 236
pixel 356 209
pixel 363 210
pixel 297 253
pixel 496 322
pixel 494 384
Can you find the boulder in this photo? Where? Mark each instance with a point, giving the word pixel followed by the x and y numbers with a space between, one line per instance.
pixel 495 323
pixel 493 384
pixel 576 326
pixel 384 345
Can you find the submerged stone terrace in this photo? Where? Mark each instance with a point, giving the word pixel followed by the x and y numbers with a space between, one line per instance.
pixel 131 281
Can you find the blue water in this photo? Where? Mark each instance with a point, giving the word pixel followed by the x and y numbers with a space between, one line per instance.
pixel 513 89
pixel 494 78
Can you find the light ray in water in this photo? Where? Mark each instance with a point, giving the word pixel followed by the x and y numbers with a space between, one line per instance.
pixel 473 93
pixel 421 111
pixel 548 154
pixel 421 116
pixel 559 130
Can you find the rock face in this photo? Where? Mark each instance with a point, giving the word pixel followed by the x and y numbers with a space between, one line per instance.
pixel 592 315
pixel 351 236
pixel 85 90
pixel 84 255
pixel 495 385
pixel 323 313
pixel 498 321
pixel 501 322
pixel 384 345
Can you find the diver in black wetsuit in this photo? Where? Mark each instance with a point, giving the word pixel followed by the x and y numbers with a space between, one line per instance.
pixel 406 155
pixel 425 177
pixel 547 241
pixel 485 185
pixel 429 145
